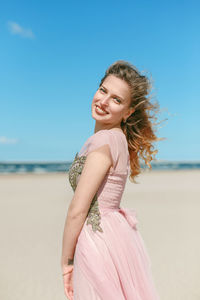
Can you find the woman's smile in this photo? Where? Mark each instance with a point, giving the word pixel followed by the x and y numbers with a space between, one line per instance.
pixel 100 110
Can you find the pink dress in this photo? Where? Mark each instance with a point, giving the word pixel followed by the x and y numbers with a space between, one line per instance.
pixel 110 260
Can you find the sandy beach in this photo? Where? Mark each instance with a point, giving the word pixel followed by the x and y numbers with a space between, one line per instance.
pixel 33 210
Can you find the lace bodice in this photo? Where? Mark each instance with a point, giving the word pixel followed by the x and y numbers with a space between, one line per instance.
pixel 93 216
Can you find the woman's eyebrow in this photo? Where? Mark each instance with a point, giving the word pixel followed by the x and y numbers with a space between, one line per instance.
pixel 114 94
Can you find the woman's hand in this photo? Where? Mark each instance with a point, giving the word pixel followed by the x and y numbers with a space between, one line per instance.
pixel 68 282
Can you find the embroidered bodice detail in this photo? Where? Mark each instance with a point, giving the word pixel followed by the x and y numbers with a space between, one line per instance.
pixel 94 217
pixel 75 170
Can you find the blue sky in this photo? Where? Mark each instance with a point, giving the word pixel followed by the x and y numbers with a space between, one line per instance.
pixel 54 53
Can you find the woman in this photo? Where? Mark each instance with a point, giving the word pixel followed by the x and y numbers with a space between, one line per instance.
pixel 103 255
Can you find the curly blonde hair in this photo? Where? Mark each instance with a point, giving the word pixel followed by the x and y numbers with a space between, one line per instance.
pixel 138 128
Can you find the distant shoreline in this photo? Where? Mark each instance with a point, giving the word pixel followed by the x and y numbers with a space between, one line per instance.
pixel 63 167
pixel 161 161
pixel 51 174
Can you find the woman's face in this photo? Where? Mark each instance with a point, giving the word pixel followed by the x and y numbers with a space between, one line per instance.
pixel 111 102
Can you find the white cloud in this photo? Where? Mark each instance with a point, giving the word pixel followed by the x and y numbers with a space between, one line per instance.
pixel 4 140
pixel 15 28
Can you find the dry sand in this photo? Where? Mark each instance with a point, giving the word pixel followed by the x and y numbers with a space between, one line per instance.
pixel 33 210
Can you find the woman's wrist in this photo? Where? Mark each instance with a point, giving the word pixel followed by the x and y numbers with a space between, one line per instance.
pixel 68 270
pixel 68 267
pixel 70 261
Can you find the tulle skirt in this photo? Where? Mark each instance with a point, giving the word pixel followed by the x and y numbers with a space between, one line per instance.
pixel 113 264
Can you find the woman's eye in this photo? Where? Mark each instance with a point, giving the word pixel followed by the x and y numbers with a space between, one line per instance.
pixel 118 100
pixel 101 89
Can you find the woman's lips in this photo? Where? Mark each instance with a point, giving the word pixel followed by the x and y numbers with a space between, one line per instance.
pixel 101 111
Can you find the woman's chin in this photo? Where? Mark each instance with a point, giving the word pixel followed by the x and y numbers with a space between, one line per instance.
pixel 97 116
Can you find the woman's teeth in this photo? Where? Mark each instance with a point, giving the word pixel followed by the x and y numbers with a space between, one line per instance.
pixel 100 110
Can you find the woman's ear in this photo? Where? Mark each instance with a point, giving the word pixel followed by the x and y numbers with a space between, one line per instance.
pixel 130 111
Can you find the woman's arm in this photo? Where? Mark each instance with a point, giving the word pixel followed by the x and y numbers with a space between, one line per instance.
pixel 96 166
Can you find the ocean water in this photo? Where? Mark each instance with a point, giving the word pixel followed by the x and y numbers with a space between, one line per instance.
pixel 60 167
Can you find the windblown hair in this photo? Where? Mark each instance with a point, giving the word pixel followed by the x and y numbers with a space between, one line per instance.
pixel 139 126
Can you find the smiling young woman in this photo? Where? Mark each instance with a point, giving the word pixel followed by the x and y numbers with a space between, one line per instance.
pixel 111 103
pixel 103 253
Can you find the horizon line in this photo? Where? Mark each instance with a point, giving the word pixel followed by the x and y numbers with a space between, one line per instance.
pixel 69 161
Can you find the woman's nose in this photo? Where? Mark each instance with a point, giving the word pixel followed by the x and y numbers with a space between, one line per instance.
pixel 105 99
